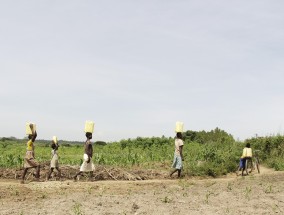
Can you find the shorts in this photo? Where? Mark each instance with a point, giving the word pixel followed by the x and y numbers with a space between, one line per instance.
pixel 242 163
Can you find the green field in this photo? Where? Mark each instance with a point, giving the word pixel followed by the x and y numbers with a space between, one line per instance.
pixel 211 153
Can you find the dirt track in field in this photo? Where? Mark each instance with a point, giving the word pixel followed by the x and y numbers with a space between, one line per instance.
pixel 254 194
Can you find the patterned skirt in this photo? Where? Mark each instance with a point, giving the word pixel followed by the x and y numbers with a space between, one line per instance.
pixel 177 162
pixel 29 160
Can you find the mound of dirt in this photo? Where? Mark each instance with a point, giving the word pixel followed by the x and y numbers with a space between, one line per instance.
pixel 101 173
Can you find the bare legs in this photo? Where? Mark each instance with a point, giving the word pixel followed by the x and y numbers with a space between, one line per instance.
pixel 24 174
pixel 81 172
pixel 26 170
pixel 37 171
pixel 75 177
pixel 51 170
pixel 176 170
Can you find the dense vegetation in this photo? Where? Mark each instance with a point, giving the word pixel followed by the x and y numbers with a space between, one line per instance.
pixel 210 153
pixel 270 150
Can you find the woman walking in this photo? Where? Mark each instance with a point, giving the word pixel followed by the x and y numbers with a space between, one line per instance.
pixel 87 165
pixel 178 156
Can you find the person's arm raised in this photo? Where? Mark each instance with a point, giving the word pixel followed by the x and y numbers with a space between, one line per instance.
pixel 34 136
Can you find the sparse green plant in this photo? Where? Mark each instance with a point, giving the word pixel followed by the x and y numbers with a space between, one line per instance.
pixel 184 184
pixel 229 186
pixel 269 189
pixel 135 207
pixel 185 194
pixel 43 196
pixel 275 208
pixel 89 190
pixel 61 192
pixel 17 193
pixel 102 190
pixel 77 209
pixel 248 192
pixel 207 195
pixel 166 199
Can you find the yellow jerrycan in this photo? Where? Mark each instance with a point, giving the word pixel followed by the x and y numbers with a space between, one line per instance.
pixel 89 126
pixel 179 127
pixel 28 128
pixel 54 138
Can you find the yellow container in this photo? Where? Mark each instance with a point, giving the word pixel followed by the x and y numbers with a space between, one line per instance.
pixel 247 152
pixel 54 138
pixel 28 128
pixel 89 126
pixel 179 127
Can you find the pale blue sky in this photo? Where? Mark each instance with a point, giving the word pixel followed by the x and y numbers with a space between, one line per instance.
pixel 137 67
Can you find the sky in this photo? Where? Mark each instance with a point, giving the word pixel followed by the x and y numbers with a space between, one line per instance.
pixel 137 67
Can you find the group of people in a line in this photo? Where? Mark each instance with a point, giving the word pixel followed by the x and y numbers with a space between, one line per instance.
pixel 30 161
pixel 88 166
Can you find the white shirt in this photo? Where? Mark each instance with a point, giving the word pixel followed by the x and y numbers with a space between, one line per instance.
pixel 178 143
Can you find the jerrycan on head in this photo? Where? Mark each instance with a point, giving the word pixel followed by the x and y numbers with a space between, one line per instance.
pixel 54 138
pixel 89 126
pixel 28 128
pixel 179 127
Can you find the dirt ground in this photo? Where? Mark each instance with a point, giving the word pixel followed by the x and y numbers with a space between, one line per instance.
pixel 254 194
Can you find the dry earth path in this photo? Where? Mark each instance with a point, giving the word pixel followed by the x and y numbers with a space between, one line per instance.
pixel 254 194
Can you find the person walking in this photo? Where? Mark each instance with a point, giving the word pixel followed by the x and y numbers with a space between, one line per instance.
pixel 87 165
pixel 247 157
pixel 54 158
pixel 29 160
pixel 178 155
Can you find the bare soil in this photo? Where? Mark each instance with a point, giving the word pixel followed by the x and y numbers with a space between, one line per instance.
pixel 117 191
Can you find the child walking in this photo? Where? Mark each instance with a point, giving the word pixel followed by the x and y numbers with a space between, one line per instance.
pixel 29 160
pixel 54 158
pixel 242 165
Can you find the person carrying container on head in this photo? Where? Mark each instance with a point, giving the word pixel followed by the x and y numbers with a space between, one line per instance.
pixel 87 165
pixel 29 160
pixel 54 158
pixel 178 155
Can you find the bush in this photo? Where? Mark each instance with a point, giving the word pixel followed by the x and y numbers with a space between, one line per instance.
pixel 213 136
pixel 271 150
pixel 101 143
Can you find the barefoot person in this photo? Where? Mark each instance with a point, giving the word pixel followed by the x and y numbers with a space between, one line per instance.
pixel 178 156
pixel 29 160
pixel 87 165
pixel 54 158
